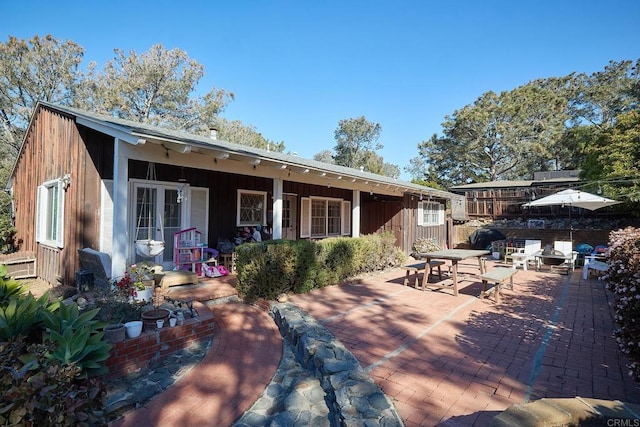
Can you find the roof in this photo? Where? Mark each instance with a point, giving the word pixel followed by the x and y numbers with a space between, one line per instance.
pixel 514 184
pixel 137 133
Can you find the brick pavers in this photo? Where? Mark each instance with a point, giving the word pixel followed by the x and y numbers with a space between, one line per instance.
pixel 244 356
pixel 461 360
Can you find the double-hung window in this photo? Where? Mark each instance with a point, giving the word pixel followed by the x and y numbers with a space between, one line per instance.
pixel 50 213
pixel 324 217
pixel 251 208
pixel 430 213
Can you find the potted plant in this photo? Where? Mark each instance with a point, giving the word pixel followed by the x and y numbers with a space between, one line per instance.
pixel 116 309
pixel 137 282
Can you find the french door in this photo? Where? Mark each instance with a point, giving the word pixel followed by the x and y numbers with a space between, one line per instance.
pixel 157 216
pixel 289 215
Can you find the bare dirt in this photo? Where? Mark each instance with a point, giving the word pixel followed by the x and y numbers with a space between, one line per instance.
pixel 38 287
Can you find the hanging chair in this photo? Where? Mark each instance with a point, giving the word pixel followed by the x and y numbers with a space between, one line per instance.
pixel 148 248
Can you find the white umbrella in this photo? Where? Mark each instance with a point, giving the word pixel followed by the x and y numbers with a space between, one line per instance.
pixel 571 198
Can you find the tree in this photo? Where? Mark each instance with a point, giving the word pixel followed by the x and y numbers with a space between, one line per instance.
pixel 41 69
pixel 235 131
pixel 155 88
pixel 600 98
pixel 500 136
pixel 355 138
pixel 325 156
pixel 613 162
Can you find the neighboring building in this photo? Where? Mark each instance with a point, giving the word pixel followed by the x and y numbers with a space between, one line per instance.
pixel 504 199
pixel 86 180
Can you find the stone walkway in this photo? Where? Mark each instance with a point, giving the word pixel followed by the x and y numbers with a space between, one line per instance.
pixel 244 355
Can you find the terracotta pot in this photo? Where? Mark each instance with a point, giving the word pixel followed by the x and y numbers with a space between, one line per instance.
pixel 150 317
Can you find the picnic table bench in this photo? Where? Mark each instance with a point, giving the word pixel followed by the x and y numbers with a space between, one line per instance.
pixel 417 268
pixel 498 276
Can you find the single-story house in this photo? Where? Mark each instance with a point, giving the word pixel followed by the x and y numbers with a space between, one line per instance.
pixel 86 180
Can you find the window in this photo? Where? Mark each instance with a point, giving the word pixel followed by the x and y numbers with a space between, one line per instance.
pixel 251 208
pixel 50 213
pixel 322 217
pixel 430 213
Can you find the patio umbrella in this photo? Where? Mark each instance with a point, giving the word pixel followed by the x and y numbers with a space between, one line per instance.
pixel 573 198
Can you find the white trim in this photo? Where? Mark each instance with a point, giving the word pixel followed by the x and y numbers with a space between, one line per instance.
pixel 346 218
pixel 44 215
pixel 305 217
pixel 430 208
pixel 276 223
pixel 106 216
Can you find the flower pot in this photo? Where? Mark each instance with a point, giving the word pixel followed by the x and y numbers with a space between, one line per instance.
pixel 173 321
pixel 114 333
pixel 134 328
pixel 145 295
pixel 150 317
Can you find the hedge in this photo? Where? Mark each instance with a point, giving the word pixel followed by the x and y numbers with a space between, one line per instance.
pixel 270 268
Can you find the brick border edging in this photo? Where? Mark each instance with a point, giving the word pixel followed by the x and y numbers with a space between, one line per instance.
pixel 352 396
pixel 134 354
pixel 567 412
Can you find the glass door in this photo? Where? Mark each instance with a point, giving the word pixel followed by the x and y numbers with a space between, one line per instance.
pixel 289 202
pixel 173 214
pixel 157 216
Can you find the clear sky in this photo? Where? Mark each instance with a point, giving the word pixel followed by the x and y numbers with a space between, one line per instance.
pixel 299 67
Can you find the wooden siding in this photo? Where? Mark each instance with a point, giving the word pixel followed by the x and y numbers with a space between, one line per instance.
pixel 440 234
pixel 382 213
pixel 53 147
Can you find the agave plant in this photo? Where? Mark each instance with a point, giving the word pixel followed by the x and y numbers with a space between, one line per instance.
pixel 21 314
pixel 78 339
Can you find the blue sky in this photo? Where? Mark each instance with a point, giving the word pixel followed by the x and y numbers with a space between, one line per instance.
pixel 299 67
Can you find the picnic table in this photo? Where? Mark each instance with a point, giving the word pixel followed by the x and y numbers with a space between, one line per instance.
pixel 455 256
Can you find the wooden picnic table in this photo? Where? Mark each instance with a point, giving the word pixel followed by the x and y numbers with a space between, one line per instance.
pixel 454 255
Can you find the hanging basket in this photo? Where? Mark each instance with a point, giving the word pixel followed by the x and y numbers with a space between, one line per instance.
pixel 149 248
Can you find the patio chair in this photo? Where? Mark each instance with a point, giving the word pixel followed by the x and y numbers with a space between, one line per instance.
pixel 591 263
pixel 98 264
pixel 566 248
pixel 527 255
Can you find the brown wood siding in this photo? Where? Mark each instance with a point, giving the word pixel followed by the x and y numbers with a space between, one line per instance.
pixel 55 147
pixel 382 213
pixel 415 232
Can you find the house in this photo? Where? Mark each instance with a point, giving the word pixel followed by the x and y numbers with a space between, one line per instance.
pixel 504 198
pixel 86 180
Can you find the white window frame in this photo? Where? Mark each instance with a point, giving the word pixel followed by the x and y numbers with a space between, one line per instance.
pixel 240 223
pixel 430 213
pixel 306 211
pixel 47 208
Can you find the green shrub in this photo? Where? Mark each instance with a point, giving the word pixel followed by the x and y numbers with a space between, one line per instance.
pixel 39 391
pixel 9 287
pixel 22 315
pixel 268 269
pixel 623 278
